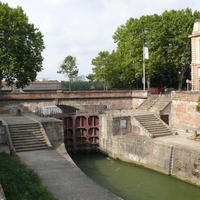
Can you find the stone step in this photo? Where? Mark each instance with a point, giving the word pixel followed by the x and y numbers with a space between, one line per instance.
pixel 161 135
pixel 31 148
pixel 23 125
pixel 22 136
pixel 154 104
pixel 160 131
pixel 145 116
pixel 160 128
pixel 156 127
pixel 148 120
pixel 23 128
pixel 28 143
pixel 152 124
pixel 28 139
pixel 147 104
pixel 25 132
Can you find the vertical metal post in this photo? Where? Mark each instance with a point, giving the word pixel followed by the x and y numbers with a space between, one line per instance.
pixel 145 56
pixel 144 78
pixel 144 74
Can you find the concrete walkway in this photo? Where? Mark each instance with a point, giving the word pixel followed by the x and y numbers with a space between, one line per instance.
pixel 63 178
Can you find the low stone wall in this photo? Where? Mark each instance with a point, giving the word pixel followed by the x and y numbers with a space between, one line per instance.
pixel 54 130
pixel 186 164
pixel 185 95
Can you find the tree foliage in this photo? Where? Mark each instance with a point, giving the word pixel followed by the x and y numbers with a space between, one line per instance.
pixel 82 85
pixel 69 67
pixel 21 46
pixel 166 37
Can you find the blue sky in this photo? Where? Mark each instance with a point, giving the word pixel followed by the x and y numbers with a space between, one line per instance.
pixel 83 28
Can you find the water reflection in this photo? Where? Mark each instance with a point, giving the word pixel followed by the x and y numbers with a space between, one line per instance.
pixel 131 182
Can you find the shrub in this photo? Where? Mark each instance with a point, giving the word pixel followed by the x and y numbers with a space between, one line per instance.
pixel 198 105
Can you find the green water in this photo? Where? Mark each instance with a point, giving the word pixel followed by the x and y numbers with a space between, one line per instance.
pixel 131 182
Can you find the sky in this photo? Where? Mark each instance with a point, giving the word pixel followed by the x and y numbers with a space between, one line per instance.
pixel 83 28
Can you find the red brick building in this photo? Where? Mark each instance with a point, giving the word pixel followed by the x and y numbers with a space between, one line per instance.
pixel 195 64
pixel 44 85
pixel 37 85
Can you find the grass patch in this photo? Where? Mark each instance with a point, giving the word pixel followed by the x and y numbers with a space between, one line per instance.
pixel 20 182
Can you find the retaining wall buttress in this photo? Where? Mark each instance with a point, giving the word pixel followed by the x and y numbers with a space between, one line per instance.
pixel 54 130
pixel 186 164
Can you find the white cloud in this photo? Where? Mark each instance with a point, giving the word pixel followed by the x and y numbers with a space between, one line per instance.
pixel 84 28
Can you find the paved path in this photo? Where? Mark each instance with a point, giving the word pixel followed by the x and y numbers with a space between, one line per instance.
pixel 60 174
pixel 64 179
pixel 182 139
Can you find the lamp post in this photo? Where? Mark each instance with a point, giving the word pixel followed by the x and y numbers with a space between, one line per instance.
pixel 145 56
pixel 187 82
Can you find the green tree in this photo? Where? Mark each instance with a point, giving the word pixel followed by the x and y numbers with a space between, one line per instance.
pixel 177 26
pixel 166 37
pixel 91 77
pixel 82 85
pixel 69 67
pixel 21 46
pixel 139 33
pixel 101 63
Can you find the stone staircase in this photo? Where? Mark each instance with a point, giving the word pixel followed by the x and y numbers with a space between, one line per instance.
pixel 147 104
pixel 27 137
pixel 160 104
pixel 153 125
pixel 154 103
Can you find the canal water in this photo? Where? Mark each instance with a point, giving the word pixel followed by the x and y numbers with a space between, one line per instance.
pixel 132 182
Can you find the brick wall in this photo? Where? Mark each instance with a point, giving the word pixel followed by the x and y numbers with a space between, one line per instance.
pixel 184 117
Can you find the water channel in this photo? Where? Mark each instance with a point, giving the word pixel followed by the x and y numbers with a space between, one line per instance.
pixel 132 182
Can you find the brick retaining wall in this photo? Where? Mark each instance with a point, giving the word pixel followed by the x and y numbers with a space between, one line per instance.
pixel 183 116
